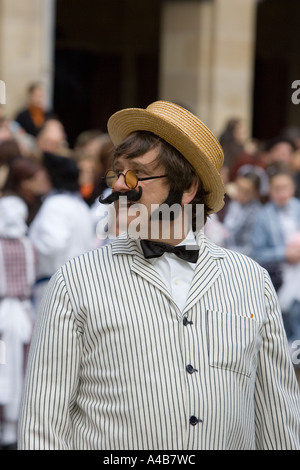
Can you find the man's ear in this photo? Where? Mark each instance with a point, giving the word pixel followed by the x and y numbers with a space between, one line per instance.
pixel 190 193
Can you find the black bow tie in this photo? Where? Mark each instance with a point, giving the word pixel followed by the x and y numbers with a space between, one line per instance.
pixel 156 249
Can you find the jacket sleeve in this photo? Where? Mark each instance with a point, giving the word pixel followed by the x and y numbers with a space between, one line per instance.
pixel 277 395
pixel 52 374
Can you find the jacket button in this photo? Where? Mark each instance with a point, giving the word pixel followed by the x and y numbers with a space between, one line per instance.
pixel 190 369
pixel 186 321
pixel 194 420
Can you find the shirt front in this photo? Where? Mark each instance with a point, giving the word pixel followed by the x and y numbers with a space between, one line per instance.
pixel 176 273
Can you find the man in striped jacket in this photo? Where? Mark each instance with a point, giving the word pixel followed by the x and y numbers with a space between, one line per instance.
pixel 159 341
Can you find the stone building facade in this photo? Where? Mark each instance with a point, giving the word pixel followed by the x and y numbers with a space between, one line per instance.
pixel 95 57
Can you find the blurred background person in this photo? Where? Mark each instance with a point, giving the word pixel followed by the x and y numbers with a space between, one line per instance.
pixel 87 169
pixel 238 150
pixel 289 292
pixel 103 163
pixel 279 150
pixel 241 213
pixel 232 140
pixel 9 150
pixel 34 115
pixel 17 277
pixel 28 179
pixel 293 134
pixel 63 227
pixel 5 129
pixel 11 131
pixel 215 230
pixel 251 156
pixel 89 142
pixel 295 164
pixel 93 153
pixel 87 150
pixel 52 138
pixel 275 227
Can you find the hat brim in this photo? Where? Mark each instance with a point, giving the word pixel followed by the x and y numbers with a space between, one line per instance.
pixel 129 120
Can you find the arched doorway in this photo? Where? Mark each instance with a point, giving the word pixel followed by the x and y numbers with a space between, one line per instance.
pixel 277 65
pixel 106 57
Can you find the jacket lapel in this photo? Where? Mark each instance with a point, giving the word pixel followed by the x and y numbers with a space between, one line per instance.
pixel 207 270
pixel 139 265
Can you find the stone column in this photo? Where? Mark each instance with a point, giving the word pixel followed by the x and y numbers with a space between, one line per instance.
pixel 206 58
pixel 26 48
pixel 233 61
pixel 180 53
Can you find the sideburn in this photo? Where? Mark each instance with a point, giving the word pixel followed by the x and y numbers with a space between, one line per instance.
pixel 173 198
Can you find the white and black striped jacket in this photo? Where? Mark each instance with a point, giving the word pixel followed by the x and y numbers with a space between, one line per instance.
pixel 115 365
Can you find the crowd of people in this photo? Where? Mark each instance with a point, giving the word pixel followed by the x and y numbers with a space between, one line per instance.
pixel 261 217
pixel 48 213
pixel 49 201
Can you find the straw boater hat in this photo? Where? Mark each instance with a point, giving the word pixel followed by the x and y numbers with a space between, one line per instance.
pixel 184 131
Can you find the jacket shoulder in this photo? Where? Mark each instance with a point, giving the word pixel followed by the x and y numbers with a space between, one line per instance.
pixel 233 257
pixel 95 257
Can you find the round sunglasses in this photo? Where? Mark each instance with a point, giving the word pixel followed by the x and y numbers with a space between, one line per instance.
pixel 131 179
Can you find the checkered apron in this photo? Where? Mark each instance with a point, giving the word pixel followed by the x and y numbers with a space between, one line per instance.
pixel 17 276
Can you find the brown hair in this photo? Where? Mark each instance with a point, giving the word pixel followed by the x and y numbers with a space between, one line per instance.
pixel 9 149
pixel 21 168
pixel 179 171
pixel 33 86
pixel 280 168
pixel 253 177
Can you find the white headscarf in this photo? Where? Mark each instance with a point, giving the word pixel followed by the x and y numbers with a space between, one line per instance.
pixel 13 215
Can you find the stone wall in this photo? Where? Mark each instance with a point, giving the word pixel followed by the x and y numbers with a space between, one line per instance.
pixel 26 48
pixel 206 58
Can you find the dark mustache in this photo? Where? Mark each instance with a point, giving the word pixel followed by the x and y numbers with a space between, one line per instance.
pixel 132 196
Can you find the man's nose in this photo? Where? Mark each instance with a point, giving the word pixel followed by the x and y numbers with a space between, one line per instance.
pixel 120 184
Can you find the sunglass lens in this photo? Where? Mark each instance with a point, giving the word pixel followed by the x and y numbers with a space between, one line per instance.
pixel 111 177
pixel 131 179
